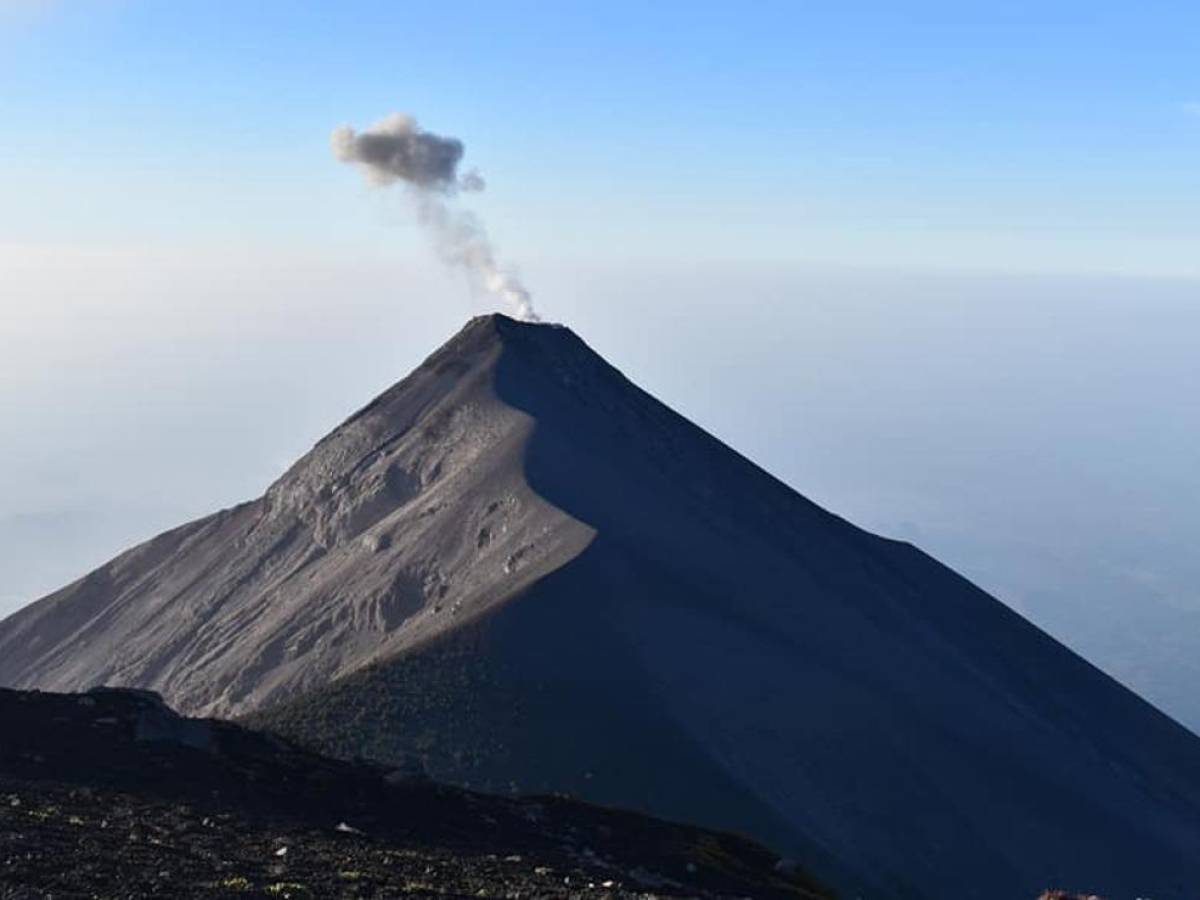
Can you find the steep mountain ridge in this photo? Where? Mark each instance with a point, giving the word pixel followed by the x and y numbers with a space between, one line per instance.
pixel 409 517
pixel 525 569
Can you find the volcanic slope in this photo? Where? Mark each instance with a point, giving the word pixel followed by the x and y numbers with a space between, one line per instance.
pixel 410 518
pixel 520 566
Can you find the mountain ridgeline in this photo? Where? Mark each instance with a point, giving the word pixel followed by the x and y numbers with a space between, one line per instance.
pixel 523 569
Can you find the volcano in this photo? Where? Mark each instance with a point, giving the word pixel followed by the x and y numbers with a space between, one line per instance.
pixel 520 567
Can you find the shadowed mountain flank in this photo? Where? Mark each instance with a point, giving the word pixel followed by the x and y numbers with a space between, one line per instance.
pixel 524 569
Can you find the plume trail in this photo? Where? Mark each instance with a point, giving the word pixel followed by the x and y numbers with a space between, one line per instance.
pixel 395 149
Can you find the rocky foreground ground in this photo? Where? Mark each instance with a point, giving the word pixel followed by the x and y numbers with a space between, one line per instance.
pixel 111 795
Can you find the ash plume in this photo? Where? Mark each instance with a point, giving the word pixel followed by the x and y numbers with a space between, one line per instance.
pixel 395 150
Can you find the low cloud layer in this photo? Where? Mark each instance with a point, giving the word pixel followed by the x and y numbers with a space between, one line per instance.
pixel 396 150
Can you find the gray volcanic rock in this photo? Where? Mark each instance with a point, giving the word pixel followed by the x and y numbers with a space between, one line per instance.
pixel 520 567
pixel 410 518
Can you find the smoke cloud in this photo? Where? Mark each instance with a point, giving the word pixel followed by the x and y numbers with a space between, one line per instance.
pixel 394 150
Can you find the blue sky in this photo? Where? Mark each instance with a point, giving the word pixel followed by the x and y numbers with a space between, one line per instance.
pixel 1021 136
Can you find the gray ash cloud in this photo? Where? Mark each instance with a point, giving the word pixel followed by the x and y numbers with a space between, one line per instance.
pixel 396 150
